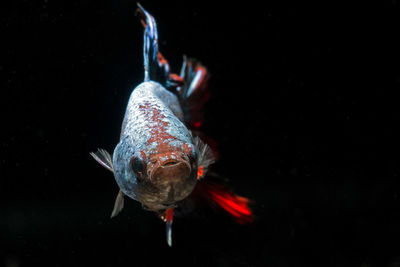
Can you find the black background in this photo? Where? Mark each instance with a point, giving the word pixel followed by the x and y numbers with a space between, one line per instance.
pixel 304 108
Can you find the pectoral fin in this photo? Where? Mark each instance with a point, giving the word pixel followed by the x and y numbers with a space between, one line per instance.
pixel 205 158
pixel 119 204
pixel 104 158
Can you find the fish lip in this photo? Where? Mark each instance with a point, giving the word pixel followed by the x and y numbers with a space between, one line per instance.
pixel 166 164
pixel 167 161
pixel 171 176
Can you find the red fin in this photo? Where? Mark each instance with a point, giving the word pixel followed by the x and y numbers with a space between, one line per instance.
pixel 234 205
pixel 169 215
pixel 200 172
pixel 195 93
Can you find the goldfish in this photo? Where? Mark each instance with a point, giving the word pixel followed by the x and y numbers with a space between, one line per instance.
pixel 159 160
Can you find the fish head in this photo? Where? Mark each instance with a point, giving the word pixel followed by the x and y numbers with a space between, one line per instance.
pixel 160 177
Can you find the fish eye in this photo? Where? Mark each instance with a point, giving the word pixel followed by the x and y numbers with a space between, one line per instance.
pixel 137 165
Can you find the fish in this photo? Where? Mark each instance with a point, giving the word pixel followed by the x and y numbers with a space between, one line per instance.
pixel 161 160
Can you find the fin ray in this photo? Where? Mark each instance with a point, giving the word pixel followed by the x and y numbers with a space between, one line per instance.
pixel 205 157
pixel 104 158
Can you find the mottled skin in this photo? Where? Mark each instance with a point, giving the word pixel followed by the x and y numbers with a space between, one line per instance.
pixel 155 161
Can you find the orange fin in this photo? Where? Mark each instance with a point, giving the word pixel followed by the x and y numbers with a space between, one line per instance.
pixel 236 206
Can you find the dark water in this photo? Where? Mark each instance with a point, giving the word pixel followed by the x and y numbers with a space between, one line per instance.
pixel 304 107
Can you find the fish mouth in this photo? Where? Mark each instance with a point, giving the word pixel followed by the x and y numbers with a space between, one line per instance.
pixel 170 170
pixel 173 177
pixel 167 166
pixel 170 163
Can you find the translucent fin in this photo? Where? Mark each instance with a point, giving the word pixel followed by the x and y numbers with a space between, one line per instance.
pixel 104 158
pixel 169 215
pixel 205 157
pixel 118 205
pixel 195 76
pixel 194 93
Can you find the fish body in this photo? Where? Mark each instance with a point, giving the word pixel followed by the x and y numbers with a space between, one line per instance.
pixel 155 161
pixel 158 160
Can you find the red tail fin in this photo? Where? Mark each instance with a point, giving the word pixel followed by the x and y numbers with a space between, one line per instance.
pixel 236 206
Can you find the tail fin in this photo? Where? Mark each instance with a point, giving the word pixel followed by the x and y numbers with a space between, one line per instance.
pixel 193 93
pixel 222 197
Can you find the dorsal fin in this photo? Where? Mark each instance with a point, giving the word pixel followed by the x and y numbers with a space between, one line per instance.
pixel 156 67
